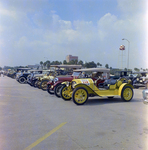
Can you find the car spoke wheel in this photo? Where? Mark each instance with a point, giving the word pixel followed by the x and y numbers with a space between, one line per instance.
pixel 49 90
pixel 80 96
pixel 22 80
pixel 127 93
pixel 43 85
pixel 57 90
pixel 65 93
pixel 36 83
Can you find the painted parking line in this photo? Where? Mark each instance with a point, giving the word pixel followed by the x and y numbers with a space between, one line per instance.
pixel 45 136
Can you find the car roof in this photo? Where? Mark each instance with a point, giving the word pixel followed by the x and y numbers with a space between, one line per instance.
pixel 66 66
pixel 93 70
pixel 141 72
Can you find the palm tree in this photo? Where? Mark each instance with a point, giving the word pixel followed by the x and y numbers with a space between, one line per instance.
pixel 41 63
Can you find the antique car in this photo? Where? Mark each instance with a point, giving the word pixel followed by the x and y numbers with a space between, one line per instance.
pixel 31 75
pixel 141 80
pixel 98 75
pixel 41 81
pixel 12 74
pixel 145 96
pixel 22 74
pixel 35 75
pixel 123 73
pixel 80 89
pixel 54 84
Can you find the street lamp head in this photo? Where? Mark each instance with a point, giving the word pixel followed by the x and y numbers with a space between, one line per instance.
pixel 123 39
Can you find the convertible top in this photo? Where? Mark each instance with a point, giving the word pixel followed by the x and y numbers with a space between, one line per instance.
pixel 94 70
pixel 67 66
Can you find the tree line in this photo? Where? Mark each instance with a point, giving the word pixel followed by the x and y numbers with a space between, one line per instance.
pixel 92 64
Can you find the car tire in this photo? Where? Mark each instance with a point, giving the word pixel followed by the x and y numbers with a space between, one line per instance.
pixel 43 85
pixel 57 90
pixel 127 93
pixel 80 96
pixel 49 89
pixel 22 80
pixel 64 93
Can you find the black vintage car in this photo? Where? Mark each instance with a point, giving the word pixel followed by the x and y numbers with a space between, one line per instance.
pixel 22 74
pixel 11 75
pixel 22 77
pixel 141 79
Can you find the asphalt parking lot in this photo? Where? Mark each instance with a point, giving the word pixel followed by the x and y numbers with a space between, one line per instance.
pixel 32 119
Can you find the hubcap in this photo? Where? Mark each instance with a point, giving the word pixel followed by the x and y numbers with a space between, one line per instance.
pixel 80 96
pixel 65 93
pixel 44 85
pixel 127 94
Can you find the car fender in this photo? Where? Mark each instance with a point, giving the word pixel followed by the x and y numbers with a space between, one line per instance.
pixel 89 90
pixel 65 82
pixel 57 83
pixel 123 85
pixel 50 82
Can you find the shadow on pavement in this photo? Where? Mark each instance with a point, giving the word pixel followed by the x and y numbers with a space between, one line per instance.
pixel 104 100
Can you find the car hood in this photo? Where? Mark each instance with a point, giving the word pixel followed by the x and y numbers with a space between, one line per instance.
pixel 66 78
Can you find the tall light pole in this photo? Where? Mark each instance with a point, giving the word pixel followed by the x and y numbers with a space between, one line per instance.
pixel 128 52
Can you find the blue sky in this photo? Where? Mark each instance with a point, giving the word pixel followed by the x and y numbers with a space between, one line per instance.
pixel 36 30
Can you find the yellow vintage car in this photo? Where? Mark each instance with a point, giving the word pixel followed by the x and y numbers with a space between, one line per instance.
pixel 81 89
pixel 42 81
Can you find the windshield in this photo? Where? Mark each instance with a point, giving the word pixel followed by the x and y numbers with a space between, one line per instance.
pixel 76 73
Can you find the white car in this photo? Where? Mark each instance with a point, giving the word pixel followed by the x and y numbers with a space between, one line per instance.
pixel 145 96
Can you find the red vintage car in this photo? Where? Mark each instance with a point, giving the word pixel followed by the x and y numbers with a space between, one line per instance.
pixel 54 86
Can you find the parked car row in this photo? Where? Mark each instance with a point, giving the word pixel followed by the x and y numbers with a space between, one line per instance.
pixel 78 84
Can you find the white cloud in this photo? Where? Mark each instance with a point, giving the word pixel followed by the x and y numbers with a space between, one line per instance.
pixel 33 34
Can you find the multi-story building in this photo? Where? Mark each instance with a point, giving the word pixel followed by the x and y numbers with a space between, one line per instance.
pixel 70 58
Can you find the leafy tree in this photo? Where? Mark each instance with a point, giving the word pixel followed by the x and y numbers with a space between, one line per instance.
pixel 73 62
pixel 44 64
pixel 90 65
pixel 136 69
pixel 98 64
pixel 64 62
pixel 41 63
pixel 80 63
pixel 48 64
pixel 107 66
pixel 56 63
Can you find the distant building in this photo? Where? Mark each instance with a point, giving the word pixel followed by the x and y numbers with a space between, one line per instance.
pixel 70 58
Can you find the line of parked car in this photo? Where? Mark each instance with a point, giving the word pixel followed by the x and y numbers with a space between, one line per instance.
pixel 72 82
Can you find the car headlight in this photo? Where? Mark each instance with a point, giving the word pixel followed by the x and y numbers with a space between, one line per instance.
pixel 56 80
pixel 73 84
pixel 145 96
pixel 67 83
